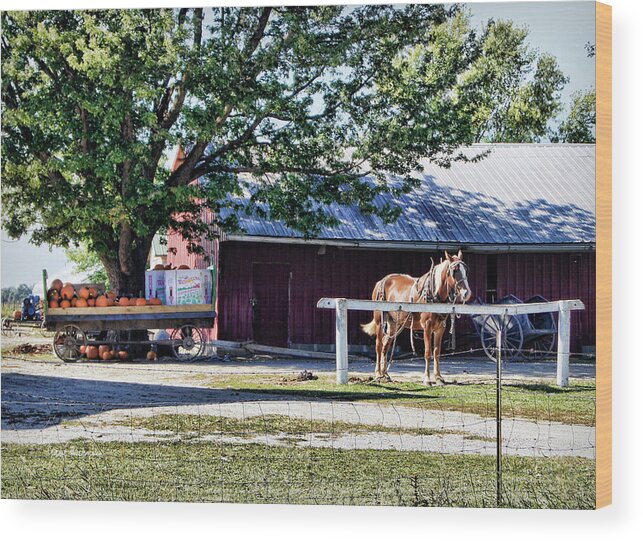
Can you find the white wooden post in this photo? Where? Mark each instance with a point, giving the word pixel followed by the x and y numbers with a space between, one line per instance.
pixel 562 360
pixel 341 341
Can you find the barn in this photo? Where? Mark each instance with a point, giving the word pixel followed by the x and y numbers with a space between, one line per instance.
pixel 524 217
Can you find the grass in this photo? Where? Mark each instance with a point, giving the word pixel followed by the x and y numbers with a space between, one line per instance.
pixel 531 400
pixel 294 428
pixel 255 473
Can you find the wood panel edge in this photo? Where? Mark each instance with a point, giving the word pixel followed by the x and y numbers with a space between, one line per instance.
pixel 603 255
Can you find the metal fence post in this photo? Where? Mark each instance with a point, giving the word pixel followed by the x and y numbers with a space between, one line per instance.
pixel 499 418
pixel 341 341
pixel 562 358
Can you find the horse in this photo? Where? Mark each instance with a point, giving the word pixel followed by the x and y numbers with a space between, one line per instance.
pixel 444 282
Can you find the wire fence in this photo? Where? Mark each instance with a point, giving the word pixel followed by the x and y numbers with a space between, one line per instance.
pixel 372 444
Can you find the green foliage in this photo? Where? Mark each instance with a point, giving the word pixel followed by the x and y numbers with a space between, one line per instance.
pixel 15 295
pixel 580 124
pixel 87 263
pixel 95 100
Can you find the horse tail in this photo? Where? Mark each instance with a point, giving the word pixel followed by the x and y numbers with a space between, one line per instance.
pixel 370 328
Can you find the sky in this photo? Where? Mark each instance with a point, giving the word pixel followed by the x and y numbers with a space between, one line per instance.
pixel 559 28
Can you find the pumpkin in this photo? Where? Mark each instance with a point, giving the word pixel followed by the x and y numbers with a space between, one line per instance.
pixel 123 301
pixel 155 301
pixel 139 302
pixel 107 355
pixel 67 291
pixel 57 284
pixel 54 304
pixel 183 267
pixel 93 292
pixel 83 293
pixel 74 300
pixel 92 352
pixel 159 266
pixel 101 302
pixel 151 355
pixel 65 304
pixel 102 349
pixel 82 349
pixel 53 295
pixel 168 266
pixel 110 302
pixel 123 355
pixel 17 314
pixel 91 302
pixel 111 295
pixel 80 303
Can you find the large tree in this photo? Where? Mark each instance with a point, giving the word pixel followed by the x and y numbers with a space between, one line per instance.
pixel 306 101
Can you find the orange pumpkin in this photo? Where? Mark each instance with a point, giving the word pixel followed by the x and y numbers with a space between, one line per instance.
pixel 53 295
pixel 183 267
pixel 123 355
pixel 93 292
pixel 102 349
pixel 155 302
pixel 92 352
pixel 74 300
pixel 80 303
pixel 57 284
pixel 83 293
pixel 111 295
pixel 110 302
pixel 82 349
pixel 17 314
pixel 123 301
pixel 151 355
pixel 91 302
pixel 139 302
pixel 107 355
pixel 101 302
pixel 159 266
pixel 67 291
pixel 54 304
pixel 65 304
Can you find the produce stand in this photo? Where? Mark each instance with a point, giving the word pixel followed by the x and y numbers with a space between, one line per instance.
pixel 77 328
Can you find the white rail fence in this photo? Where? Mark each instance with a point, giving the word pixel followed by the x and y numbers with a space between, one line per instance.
pixel 563 307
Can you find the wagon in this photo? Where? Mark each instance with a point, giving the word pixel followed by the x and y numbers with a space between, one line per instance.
pixel 77 328
pixel 530 336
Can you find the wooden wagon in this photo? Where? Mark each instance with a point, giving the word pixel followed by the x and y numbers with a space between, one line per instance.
pixel 77 328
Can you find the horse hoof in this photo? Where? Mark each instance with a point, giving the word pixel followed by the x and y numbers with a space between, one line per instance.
pixel 440 381
pixel 427 382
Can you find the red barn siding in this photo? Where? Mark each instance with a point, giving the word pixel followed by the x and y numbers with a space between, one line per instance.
pixel 337 273
pixel 352 273
pixel 554 276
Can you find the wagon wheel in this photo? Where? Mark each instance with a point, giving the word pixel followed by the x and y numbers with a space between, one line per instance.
pixel 8 328
pixel 67 343
pixel 542 344
pixel 187 342
pixel 540 347
pixel 512 336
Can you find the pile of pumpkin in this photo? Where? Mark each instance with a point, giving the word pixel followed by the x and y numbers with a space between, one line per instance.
pixel 65 295
pixel 106 353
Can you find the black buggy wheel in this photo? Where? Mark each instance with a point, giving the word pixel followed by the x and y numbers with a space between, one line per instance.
pixel 8 328
pixel 188 343
pixel 512 336
pixel 68 343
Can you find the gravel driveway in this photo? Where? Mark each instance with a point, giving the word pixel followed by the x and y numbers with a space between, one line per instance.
pixel 50 402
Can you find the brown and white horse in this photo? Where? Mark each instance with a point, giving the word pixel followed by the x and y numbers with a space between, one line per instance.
pixel 445 282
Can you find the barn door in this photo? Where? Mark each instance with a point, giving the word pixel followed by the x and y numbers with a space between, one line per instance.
pixel 270 302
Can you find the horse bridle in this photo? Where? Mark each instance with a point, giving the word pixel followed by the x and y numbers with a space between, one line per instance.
pixel 430 296
pixel 452 296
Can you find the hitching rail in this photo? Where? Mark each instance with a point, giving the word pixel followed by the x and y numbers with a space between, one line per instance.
pixel 563 308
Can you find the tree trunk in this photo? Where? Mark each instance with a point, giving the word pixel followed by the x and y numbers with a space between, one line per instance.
pixel 129 280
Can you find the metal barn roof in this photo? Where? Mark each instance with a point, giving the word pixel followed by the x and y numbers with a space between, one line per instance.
pixel 520 194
